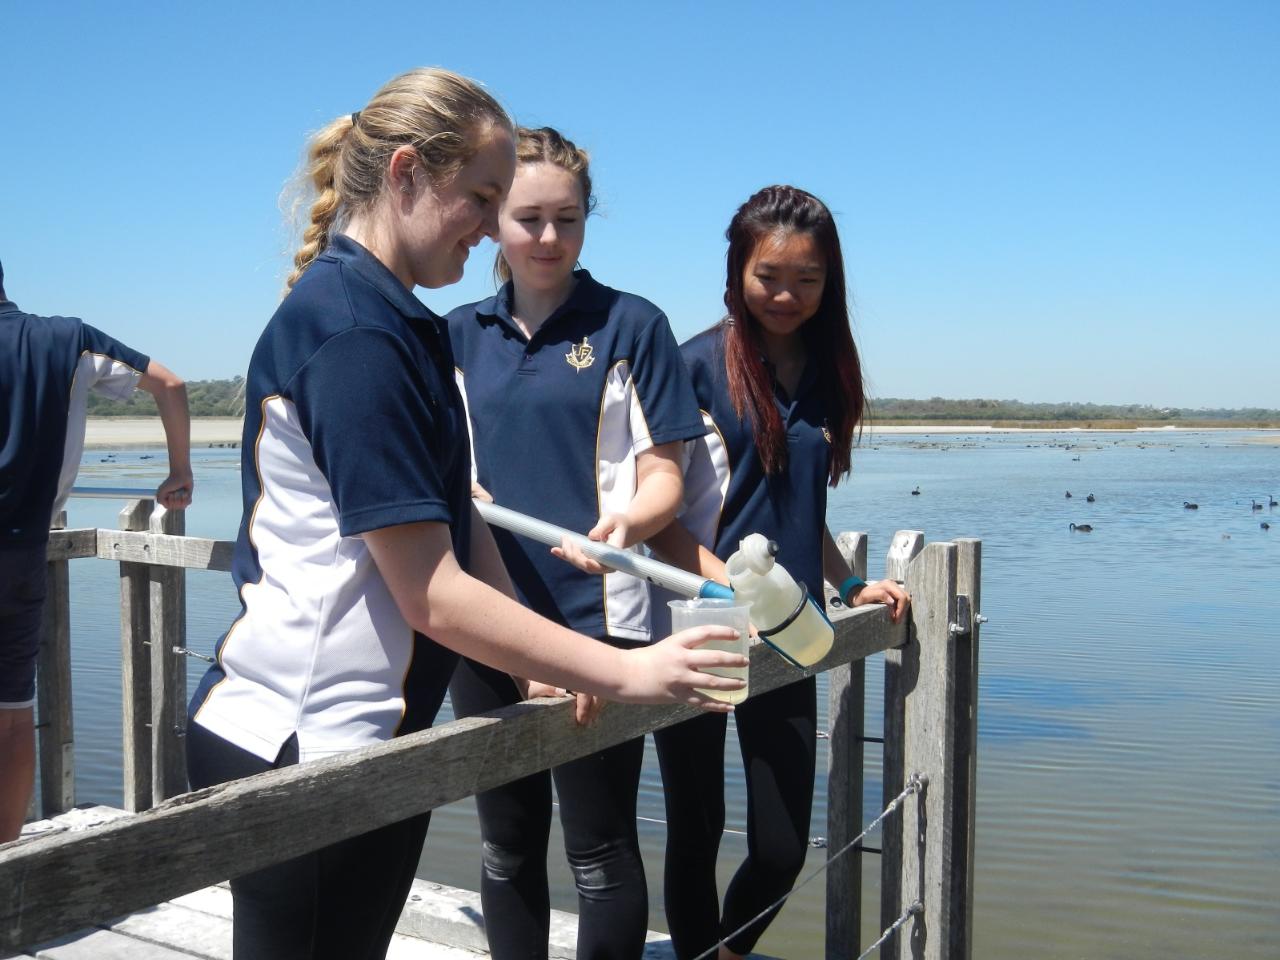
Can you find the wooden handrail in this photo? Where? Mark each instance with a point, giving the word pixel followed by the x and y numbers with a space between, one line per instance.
pixel 64 882
pixel 59 883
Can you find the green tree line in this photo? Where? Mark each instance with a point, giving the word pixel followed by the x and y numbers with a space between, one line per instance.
pixel 225 398
pixel 207 398
pixel 940 408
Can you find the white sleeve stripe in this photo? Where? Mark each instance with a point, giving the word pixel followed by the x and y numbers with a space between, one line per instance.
pixel 460 379
pixel 641 435
pixel 707 473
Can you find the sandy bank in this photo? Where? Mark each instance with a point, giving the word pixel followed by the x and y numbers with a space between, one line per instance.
pixel 106 433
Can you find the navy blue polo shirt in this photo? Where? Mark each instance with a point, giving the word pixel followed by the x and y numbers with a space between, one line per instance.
pixel 556 423
pixel 48 365
pixel 727 493
pixel 352 424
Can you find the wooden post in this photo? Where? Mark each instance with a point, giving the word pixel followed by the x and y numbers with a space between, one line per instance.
pixel 845 731
pixel 905 547
pixel 923 827
pixel 135 665
pixel 968 586
pixel 53 691
pixel 168 669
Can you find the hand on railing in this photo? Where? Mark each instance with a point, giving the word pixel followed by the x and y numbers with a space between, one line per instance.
pixel 888 592
pixel 587 708
pixel 176 490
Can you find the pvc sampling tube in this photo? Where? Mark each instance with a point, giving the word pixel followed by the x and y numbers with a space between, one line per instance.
pixel 646 568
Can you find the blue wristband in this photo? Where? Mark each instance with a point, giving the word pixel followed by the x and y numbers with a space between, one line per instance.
pixel 853 583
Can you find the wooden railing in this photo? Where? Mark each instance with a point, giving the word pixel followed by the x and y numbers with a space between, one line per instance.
pixel 179 842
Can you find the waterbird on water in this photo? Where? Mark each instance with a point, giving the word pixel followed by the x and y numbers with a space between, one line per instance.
pixel 1256 504
pixel 1090 498
pixel 1068 494
pixel 1082 527
pixel 1188 505
pixel 1272 498
pixel 1265 525
pixel 915 492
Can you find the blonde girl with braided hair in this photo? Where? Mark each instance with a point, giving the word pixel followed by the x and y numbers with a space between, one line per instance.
pixel 579 404
pixel 361 564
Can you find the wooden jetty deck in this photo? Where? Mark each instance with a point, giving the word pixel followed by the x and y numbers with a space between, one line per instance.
pixel 93 892
pixel 438 922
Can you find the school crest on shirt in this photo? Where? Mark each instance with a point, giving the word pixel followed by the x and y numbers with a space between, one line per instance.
pixel 581 355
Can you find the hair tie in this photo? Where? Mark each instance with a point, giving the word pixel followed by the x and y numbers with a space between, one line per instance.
pixel 355 118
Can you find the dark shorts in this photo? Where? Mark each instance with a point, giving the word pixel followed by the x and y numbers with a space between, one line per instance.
pixel 22 587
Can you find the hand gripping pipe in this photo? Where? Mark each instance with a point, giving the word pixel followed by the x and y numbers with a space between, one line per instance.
pixel 664 575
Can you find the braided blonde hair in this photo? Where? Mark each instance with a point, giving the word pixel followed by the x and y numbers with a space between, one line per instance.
pixel 547 145
pixel 442 115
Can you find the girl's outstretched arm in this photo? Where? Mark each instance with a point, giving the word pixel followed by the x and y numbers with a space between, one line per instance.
pixel 441 600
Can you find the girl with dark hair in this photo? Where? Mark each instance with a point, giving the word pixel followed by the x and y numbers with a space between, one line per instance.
pixel 780 386
pixel 579 405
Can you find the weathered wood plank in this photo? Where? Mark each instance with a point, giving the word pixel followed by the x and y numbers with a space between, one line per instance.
pixel 106 945
pixel 73 544
pixel 173 551
pixel 845 731
pixel 905 546
pixel 215 901
pixel 53 884
pixel 925 823
pixel 168 668
pixel 192 931
pixel 53 694
pixel 135 664
pixel 968 584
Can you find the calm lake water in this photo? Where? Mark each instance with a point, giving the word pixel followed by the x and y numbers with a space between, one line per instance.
pixel 1129 718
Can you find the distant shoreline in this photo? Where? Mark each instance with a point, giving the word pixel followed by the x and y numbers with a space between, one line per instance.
pixel 116 433
pixel 119 433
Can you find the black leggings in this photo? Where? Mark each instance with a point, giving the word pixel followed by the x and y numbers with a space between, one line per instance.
pixel 340 902
pixel 598 813
pixel 778 735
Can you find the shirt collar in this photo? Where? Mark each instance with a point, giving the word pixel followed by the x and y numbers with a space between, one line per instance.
pixel 808 377
pixel 587 295
pixel 350 253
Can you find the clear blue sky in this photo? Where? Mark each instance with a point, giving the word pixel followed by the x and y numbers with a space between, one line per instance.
pixel 1039 200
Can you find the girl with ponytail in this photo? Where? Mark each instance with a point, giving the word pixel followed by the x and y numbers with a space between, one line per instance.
pixel 780 386
pixel 361 565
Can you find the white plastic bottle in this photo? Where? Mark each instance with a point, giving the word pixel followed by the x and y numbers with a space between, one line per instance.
pixel 781 609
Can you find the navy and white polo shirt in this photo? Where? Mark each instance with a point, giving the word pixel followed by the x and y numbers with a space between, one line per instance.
pixel 352 424
pixel 48 365
pixel 728 495
pixel 556 423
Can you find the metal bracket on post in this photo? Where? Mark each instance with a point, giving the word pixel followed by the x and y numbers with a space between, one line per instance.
pixel 963 625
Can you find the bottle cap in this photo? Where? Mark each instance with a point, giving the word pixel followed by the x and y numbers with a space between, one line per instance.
pixel 758 553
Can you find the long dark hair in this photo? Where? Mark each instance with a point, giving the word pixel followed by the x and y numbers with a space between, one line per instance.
pixel 827 335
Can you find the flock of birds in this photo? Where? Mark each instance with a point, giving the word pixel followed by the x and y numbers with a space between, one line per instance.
pixel 1186 505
